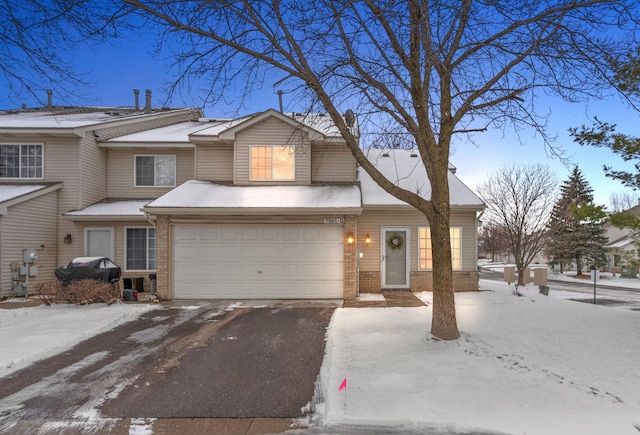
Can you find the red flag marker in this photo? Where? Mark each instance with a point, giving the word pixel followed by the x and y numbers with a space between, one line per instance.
pixel 343 385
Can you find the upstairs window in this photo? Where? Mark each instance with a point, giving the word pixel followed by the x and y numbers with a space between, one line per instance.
pixel 272 163
pixel 426 253
pixel 157 171
pixel 21 161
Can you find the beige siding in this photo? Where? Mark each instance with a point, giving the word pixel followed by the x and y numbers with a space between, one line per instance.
pixel 214 163
pixel 331 163
pixel 93 176
pixel 272 132
pixel 371 222
pixel 29 225
pixel 120 173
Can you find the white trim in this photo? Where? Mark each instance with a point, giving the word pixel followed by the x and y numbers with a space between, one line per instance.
pixel 86 238
pixel 407 248
pixel 293 154
pixel 135 168
pixel 147 227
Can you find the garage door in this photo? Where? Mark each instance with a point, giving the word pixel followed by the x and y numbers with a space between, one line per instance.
pixel 257 261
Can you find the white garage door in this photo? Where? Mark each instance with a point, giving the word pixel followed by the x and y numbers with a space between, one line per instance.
pixel 257 261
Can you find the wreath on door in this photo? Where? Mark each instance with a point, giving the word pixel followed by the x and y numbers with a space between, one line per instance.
pixel 395 241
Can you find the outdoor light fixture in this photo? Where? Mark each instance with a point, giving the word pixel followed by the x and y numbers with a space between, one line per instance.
pixel 67 239
pixel 350 238
pixel 367 239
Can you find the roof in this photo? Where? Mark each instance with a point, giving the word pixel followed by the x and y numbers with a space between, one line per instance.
pixel 404 168
pixel 621 243
pixel 12 194
pixel 174 133
pixel 195 196
pixel 113 209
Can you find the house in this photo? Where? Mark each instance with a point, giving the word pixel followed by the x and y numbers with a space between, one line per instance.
pixel 270 205
pixel 622 247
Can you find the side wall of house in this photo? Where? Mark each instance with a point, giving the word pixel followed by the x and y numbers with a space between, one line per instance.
pixel 93 174
pixel 272 131
pixel 121 172
pixel 332 163
pixel 372 221
pixel 214 162
pixel 30 224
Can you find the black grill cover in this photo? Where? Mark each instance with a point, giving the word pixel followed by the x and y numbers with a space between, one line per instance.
pixel 98 268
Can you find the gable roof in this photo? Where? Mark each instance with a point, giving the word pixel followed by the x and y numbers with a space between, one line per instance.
pixel 12 194
pixel 115 210
pixel 405 169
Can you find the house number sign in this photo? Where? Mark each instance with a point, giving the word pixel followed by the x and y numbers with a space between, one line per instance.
pixel 336 220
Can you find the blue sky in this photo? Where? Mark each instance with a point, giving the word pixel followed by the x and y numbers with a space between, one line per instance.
pixel 119 68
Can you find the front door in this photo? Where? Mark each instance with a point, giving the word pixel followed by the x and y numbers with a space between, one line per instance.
pixel 395 257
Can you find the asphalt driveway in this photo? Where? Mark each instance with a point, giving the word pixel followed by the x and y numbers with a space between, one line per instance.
pixel 213 361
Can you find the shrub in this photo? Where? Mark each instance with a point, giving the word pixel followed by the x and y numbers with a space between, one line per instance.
pixel 83 292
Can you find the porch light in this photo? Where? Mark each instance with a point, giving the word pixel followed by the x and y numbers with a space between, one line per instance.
pixel 350 238
pixel 367 239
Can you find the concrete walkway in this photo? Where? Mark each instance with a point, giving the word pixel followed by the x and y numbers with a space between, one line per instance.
pixel 393 298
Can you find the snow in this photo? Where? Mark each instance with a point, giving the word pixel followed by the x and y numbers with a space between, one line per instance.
pixel 8 192
pixel 205 194
pixel 409 173
pixel 171 133
pixel 112 208
pixel 36 333
pixel 523 365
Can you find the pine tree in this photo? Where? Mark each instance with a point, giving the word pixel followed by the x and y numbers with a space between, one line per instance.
pixel 576 231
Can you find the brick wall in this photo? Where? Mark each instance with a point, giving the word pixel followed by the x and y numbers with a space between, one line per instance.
pixel 163 289
pixel 350 260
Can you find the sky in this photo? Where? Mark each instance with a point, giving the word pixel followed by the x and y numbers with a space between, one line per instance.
pixel 118 68
pixel 531 365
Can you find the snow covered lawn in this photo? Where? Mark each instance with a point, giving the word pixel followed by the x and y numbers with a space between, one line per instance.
pixel 524 365
pixel 31 334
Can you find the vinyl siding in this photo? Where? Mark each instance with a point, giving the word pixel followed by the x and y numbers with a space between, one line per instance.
pixel 272 132
pixel 120 173
pixel 93 176
pixel 29 225
pixel 371 222
pixel 214 163
pixel 332 163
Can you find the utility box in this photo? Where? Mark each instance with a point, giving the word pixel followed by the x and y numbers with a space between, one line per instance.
pixel 30 255
pixel 510 274
pixel 540 276
pixel 526 276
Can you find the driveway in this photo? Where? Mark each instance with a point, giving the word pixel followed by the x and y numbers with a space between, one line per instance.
pixel 206 360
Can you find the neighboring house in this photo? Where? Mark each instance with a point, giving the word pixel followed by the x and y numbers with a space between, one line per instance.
pixel 622 244
pixel 265 206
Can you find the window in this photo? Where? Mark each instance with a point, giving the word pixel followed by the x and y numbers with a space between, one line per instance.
pixel 274 163
pixel 156 170
pixel 141 248
pixel 98 242
pixel 426 254
pixel 21 161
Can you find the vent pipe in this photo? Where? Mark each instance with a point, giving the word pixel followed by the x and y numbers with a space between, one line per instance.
pixel 136 96
pixel 49 98
pixel 147 105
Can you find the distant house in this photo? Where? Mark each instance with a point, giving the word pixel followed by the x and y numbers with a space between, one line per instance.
pixel 622 244
pixel 265 206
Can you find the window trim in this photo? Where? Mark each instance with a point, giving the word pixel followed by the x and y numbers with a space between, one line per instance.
pixel 420 259
pixel 86 239
pixel 135 170
pixel 126 250
pixel 293 154
pixel 21 144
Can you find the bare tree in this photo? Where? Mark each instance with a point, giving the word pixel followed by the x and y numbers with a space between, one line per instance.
pixel 622 201
pixel 429 71
pixel 493 239
pixel 519 198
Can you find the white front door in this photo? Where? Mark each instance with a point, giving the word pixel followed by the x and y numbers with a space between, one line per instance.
pixel 396 260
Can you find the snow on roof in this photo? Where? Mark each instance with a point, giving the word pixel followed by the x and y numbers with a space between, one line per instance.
pixel 112 208
pixel 216 126
pixel 11 191
pixel 620 243
pixel 171 133
pixel 405 169
pixel 61 118
pixel 205 194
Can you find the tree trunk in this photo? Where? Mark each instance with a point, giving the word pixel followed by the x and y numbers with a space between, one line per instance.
pixel 443 323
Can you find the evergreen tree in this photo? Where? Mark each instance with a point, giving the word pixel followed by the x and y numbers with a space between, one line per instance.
pixel 576 231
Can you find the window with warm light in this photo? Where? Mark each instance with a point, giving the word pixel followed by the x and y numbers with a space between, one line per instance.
pixel 426 253
pixel 272 163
